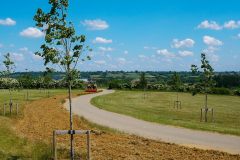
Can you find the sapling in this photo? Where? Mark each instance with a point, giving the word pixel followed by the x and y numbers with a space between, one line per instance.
pixel 62 47
pixel 176 83
pixel 143 83
pixel 205 81
pixel 9 65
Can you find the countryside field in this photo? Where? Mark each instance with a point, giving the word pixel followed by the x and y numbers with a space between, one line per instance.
pixel 29 135
pixel 114 80
pixel 11 144
pixel 158 107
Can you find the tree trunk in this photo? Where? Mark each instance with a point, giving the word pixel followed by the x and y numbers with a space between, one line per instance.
pixel 71 119
pixel 206 107
pixel 144 93
pixel 177 100
pixel 10 93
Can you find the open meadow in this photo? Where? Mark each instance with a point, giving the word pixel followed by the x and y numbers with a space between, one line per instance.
pixel 159 107
pixel 29 135
pixel 12 145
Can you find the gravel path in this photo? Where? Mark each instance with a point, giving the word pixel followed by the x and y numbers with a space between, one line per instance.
pixel 177 135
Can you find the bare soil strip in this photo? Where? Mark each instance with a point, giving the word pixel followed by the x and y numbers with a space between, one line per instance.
pixel 41 117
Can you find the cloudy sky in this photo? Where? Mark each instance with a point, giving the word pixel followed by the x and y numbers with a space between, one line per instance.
pixel 132 34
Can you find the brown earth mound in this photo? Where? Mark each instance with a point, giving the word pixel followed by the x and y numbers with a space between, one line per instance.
pixel 41 117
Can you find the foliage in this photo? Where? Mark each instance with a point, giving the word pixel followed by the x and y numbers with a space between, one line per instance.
pixel 114 84
pixel 237 92
pixel 229 80
pixel 223 91
pixel 9 65
pixel 175 81
pixel 62 46
pixel 143 81
pixel 9 83
pixel 205 79
pixel 6 81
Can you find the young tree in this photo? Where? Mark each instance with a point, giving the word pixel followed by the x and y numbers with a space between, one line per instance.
pixel 9 65
pixel 205 80
pixel 176 83
pixel 143 82
pixel 62 46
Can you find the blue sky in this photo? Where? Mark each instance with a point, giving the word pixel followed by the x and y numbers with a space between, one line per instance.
pixel 132 34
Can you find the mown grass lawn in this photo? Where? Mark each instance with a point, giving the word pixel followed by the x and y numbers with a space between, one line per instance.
pixel 158 107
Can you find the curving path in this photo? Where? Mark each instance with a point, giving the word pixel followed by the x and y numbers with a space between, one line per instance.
pixel 172 134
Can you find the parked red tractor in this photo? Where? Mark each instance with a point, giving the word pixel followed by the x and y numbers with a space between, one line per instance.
pixel 91 87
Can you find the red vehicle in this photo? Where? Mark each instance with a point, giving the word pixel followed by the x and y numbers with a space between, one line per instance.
pixel 91 88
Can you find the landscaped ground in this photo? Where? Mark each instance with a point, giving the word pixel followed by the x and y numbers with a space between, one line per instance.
pixel 158 107
pixel 30 135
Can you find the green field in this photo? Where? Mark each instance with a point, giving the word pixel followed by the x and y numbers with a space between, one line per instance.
pixel 12 146
pixel 158 107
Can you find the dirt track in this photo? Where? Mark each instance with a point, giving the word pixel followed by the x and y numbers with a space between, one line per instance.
pixel 182 136
pixel 43 116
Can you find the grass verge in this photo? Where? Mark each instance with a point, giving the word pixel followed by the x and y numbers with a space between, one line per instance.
pixel 158 107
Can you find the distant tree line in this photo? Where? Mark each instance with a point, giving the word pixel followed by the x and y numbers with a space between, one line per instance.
pixel 26 81
pixel 226 82
pixel 175 84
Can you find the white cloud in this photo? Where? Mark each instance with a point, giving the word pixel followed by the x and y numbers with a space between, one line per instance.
pixel 166 53
pixel 142 56
pixel 209 25
pixel 36 57
pixel 210 52
pixel 1 45
pixel 211 49
pixel 96 24
pixel 105 49
pixel 148 48
pixel 109 56
pixel 185 53
pixel 100 62
pixel 184 43
pixel 211 41
pixel 24 49
pixel 7 22
pixel 121 61
pixel 125 52
pixel 231 24
pixel 18 56
pixel 213 57
pixel 102 40
pixel 238 35
pixel 32 32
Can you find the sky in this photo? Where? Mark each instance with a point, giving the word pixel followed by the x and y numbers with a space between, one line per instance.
pixel 129 35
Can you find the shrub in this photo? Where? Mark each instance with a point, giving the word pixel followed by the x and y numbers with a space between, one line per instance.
pixel 223 91
pixel 237 92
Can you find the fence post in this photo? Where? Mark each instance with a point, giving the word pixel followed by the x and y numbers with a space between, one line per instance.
pixel 212 114
pixel 88 145
pixel 54 146
pixel 17 108
pixel 201 115
pixel 10 105
pixel 4 109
